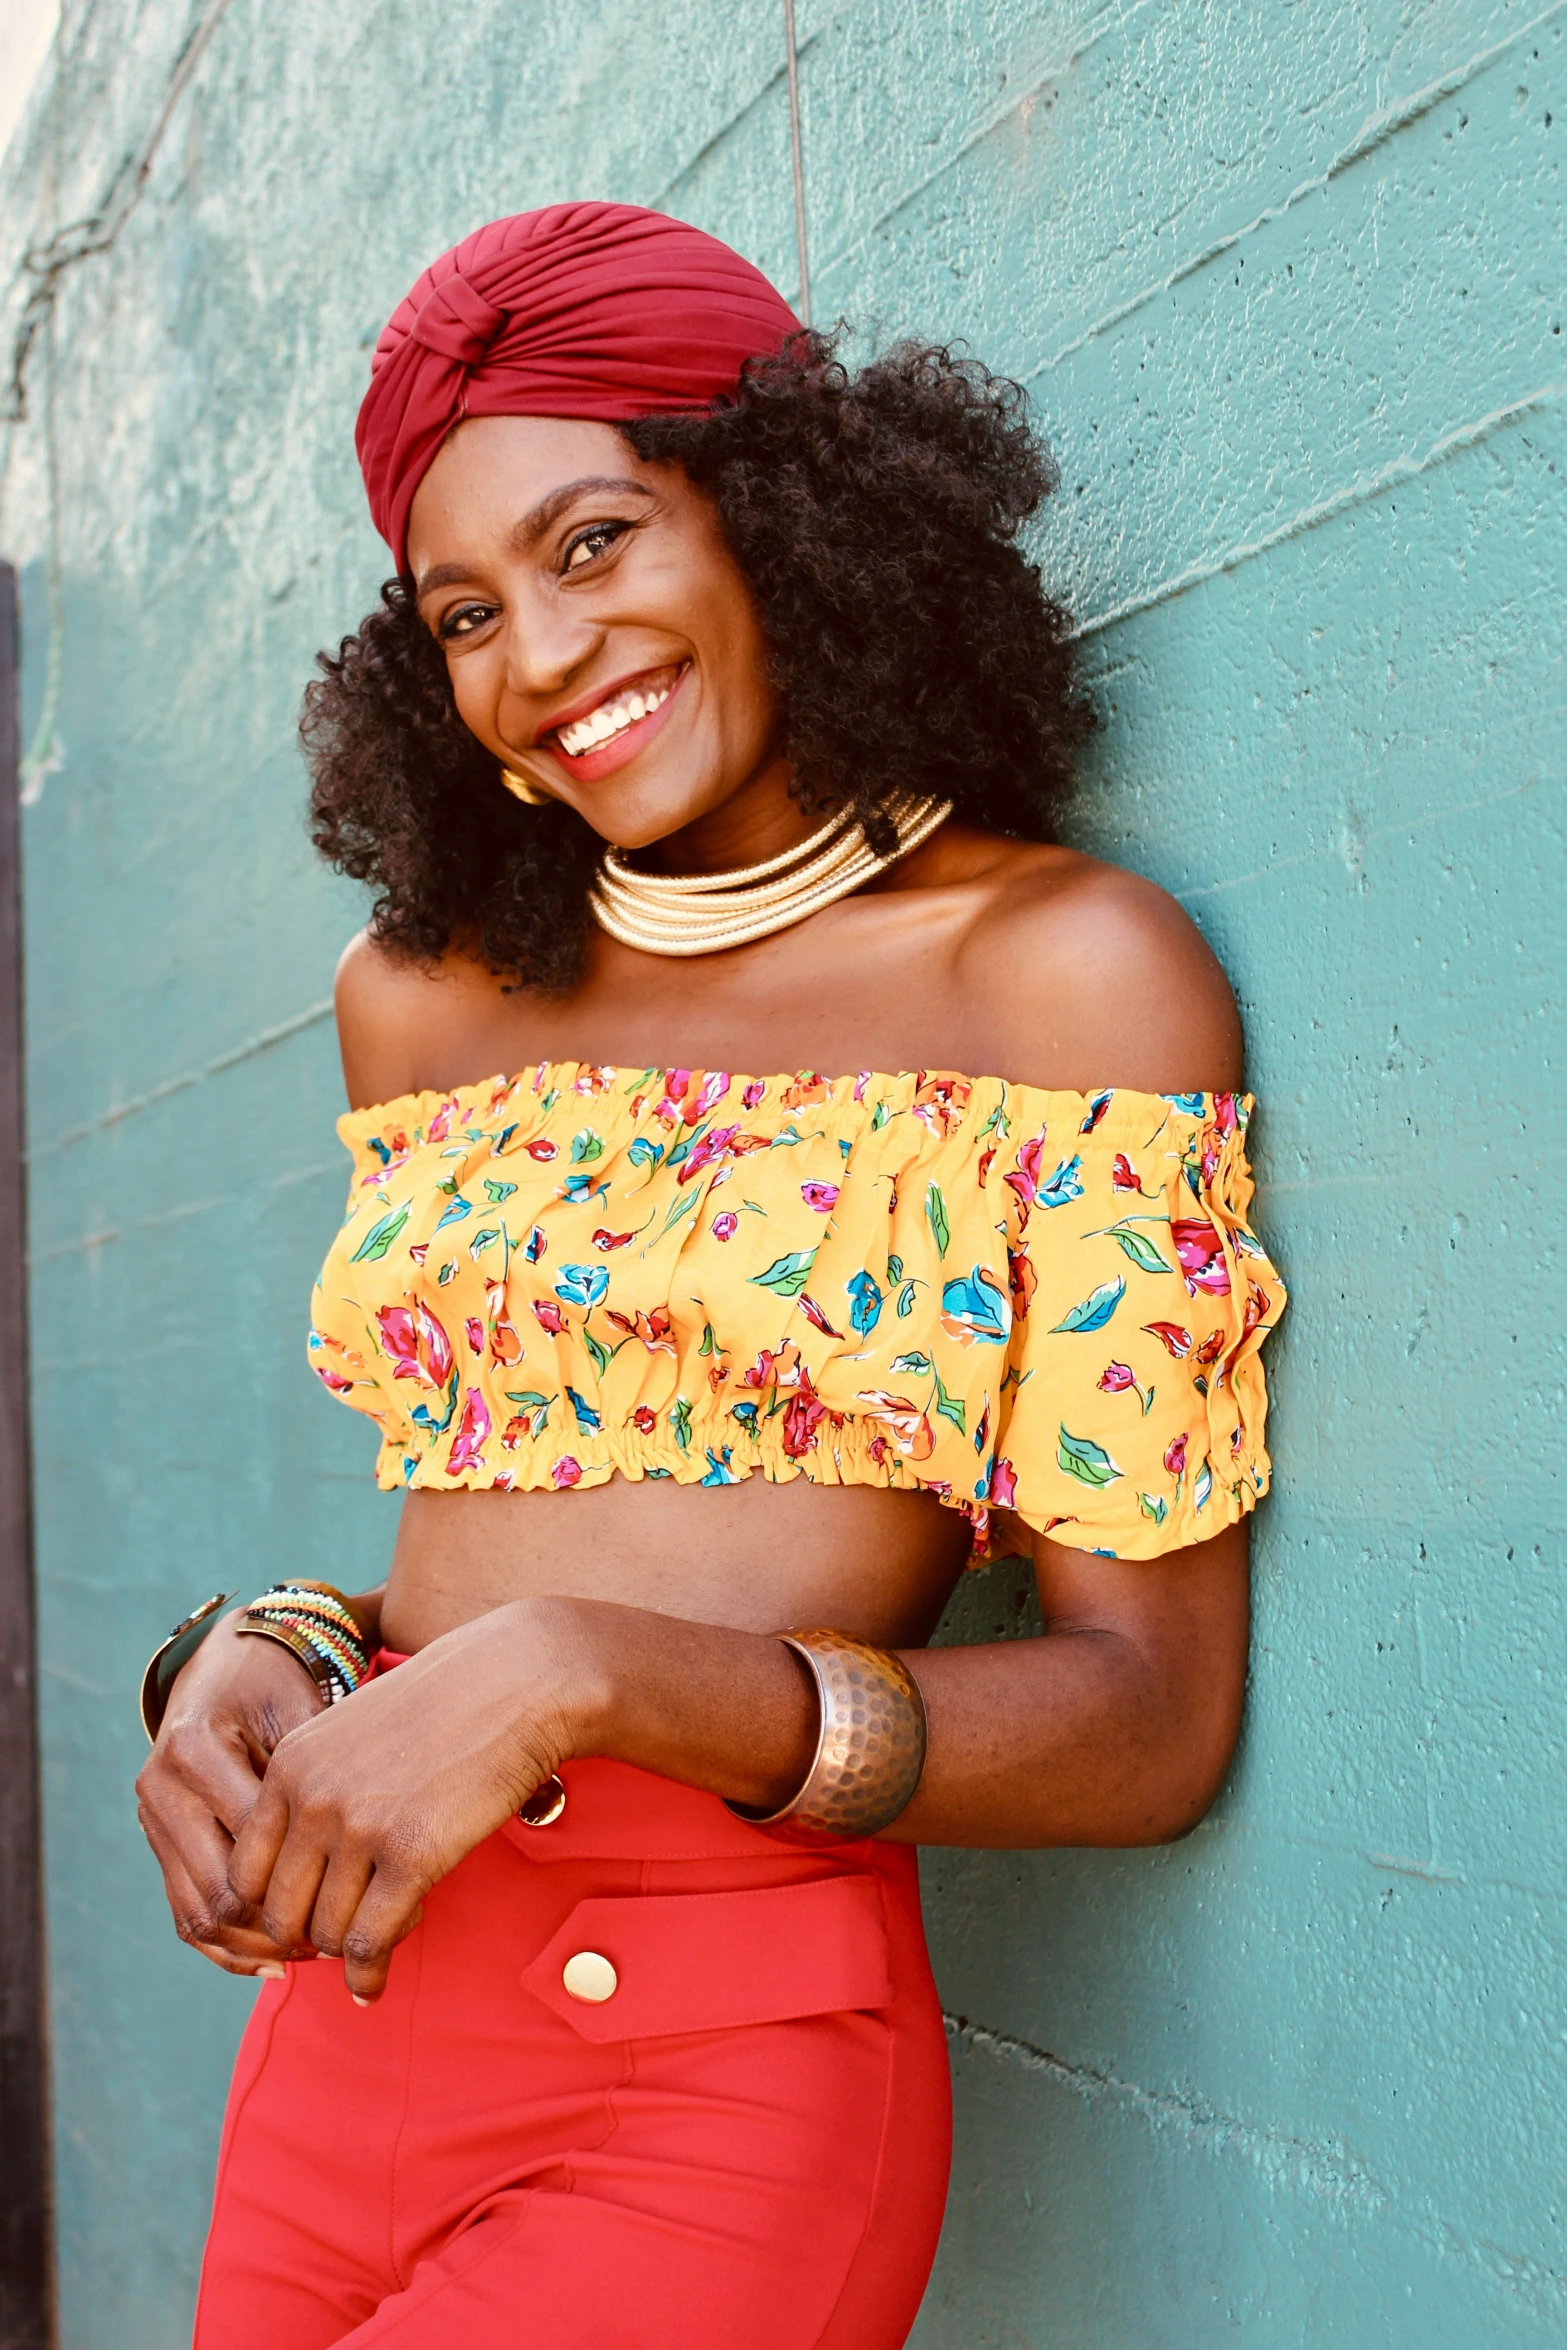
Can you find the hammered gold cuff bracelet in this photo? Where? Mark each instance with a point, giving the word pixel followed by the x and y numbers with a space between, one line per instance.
pixel 870 1748
pixel 181 1645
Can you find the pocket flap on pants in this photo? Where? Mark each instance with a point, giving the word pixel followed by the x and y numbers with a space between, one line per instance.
pixel 698 1962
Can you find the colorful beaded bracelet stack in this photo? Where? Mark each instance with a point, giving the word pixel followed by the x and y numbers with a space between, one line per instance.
pixel 316 1624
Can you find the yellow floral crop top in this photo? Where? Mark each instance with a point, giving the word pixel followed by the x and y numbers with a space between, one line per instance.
pixel 1040 1302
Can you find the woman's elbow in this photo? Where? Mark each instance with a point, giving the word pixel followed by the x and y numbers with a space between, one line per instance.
pixel 1188 1771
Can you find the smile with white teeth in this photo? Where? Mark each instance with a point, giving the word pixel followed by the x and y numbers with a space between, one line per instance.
pixel 609 719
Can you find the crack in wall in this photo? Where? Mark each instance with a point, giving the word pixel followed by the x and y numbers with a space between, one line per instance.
pixel 1467 1880
pixel 1322 2169
pixel 725 131
pixel 49 261
pixel 1317 2168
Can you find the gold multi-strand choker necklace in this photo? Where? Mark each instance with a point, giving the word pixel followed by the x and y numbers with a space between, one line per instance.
pixel 701 913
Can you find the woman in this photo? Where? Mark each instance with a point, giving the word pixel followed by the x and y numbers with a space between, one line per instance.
pixel 633 2038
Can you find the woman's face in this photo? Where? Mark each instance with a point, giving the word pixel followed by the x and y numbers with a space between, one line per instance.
pixel 600 638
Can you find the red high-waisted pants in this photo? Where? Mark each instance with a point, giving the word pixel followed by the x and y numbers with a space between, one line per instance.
pixel 744 2147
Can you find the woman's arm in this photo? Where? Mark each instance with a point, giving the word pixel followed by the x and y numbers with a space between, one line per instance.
pixel 1114 1728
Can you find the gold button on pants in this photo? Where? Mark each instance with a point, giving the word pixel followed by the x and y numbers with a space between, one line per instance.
pixel 545 1805
pixel 589 1977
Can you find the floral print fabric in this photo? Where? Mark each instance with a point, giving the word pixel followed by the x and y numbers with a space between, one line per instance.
pixel 1040 1302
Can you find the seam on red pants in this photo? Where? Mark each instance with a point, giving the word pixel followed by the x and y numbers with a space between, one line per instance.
pixel 568 2162
pixel 456 2266
pixel 394 2264
pixel 231 2122
pixel 876 2170
pixel 628 2073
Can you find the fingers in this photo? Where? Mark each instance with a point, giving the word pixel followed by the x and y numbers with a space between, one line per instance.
pixel 198 1788
pixel 218 1769
pixel 190 1845
pixel 343 1888
pixel 200 1785
pixel 351 1903
pixel 241 1951
pixel 259 1842
pixel 299 1863
pixel 294 1886
pixel 309 1863
pixel 390 1909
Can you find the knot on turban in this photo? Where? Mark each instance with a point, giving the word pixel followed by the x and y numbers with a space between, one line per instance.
pixel 457 321
pixel 594 310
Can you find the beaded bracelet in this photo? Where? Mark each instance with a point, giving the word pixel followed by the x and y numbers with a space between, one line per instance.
pixel 316 1624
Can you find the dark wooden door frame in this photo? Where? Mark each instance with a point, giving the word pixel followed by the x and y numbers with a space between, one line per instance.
pixel 25 2262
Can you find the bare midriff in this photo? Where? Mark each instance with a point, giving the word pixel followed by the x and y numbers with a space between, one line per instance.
pixel 754 1557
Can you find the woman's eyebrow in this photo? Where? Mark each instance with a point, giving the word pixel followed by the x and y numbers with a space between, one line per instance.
pixel 548 510
pixel 531 528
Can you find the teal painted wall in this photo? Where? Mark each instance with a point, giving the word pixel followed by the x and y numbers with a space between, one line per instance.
pixel 1287 283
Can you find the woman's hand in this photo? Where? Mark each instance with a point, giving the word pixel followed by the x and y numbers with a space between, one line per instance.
pixel 229 1708
pixel 369 1804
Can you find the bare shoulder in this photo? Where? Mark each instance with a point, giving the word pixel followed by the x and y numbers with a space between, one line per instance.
pixel 1094 976
pixel 395 1015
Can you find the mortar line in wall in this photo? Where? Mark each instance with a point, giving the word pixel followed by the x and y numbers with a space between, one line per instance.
pixel 1542 1157
pixel 992 122
pixel 86 1244
pixel 725 130
pixel 1356 493
pixel 156 1222
pixel 1378 1863
pixel 261 1042
pixel 1373 133
pixel 1363 841
pixel 54 1671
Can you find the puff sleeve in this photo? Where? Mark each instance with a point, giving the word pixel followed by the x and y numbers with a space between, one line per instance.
pixel 1134 1405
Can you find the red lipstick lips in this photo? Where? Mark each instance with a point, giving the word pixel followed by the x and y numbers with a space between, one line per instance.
pixel 591 766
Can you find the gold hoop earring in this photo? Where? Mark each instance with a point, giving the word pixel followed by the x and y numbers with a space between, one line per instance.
pixel 521 789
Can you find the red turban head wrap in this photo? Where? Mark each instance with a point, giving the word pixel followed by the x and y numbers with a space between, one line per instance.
pixel 596 310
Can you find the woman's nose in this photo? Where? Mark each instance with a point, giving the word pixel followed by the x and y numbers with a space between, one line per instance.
pixel 546 645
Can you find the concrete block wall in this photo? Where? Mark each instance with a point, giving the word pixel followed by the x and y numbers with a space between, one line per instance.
pixel 1286 283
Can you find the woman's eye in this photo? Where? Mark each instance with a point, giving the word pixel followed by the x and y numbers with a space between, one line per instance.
pixel 464 620
pixel 589 544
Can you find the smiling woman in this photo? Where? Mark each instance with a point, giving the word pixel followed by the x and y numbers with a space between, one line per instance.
pixel 853 539
pixel 711 725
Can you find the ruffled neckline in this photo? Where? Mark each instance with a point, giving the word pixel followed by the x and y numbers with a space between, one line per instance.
pixel 698 1091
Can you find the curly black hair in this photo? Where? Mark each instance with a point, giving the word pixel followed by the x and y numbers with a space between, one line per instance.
pixel 875 516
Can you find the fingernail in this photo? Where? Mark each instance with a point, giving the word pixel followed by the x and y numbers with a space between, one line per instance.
pixel 273 1972
pixel 358 2002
